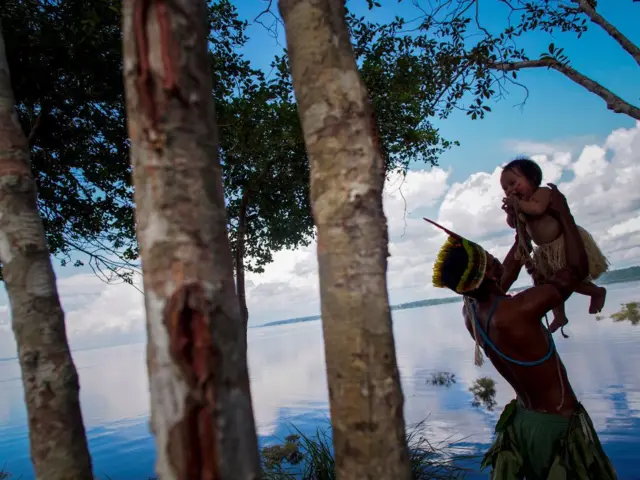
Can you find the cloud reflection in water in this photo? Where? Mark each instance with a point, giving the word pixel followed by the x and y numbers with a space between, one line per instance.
pixel 289 386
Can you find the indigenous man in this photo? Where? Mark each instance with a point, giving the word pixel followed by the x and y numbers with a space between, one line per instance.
pixel 545 433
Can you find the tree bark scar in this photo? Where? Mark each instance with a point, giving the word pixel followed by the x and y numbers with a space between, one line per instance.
pixel 169 84
pixel 193 439
pixel 145 81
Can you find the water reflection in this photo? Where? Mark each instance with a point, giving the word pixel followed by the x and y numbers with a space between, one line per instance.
pixel 630 312
pixel 483 390
pixel 289 386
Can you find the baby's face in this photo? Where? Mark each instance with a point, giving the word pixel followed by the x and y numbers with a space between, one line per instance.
pixel 514 183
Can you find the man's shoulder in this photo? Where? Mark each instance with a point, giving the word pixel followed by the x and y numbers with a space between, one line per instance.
pixel 515 308
pixel 528 305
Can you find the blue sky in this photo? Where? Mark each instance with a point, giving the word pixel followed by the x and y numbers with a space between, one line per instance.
pixel 557 111
pixel 559 114
pixel 593 155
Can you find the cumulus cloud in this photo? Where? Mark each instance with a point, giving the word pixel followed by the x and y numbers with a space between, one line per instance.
pixel 600 182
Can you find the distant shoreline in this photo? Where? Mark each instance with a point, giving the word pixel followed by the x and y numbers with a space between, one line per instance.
pixel 623 275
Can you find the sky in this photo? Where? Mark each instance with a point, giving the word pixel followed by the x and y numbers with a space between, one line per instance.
pixel 591 153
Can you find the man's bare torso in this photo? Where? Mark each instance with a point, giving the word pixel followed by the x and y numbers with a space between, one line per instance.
pixel 544 387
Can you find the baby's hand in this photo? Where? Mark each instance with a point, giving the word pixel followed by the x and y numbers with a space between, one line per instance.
pixel 509 203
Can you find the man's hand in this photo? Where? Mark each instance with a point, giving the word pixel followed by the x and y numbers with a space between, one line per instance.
pixel 508 206
pixel 558 206
pixel 509 203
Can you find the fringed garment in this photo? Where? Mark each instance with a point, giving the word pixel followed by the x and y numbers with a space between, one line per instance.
pixel 550 257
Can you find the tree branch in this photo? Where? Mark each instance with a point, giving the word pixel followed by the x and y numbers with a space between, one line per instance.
pixel 616 34
pixel 34 129
pixel 613 101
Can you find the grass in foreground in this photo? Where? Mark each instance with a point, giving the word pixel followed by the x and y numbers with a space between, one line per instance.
pixel 303 457
pixel 311 458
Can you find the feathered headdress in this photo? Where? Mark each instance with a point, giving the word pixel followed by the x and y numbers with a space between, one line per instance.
pixel 460 266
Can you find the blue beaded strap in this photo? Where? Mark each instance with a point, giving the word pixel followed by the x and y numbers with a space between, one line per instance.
pixel 488 342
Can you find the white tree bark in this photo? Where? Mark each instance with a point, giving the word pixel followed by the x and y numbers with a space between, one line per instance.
pixel 201 412
pixel 56 431
pixel 347 178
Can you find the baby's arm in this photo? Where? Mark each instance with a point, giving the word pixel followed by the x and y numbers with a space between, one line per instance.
pixel 538 202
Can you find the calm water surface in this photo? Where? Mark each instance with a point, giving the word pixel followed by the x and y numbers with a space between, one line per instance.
pixel 289 387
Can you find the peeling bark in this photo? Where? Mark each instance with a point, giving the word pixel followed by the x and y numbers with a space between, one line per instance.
pixel 201 412
pixel 347 178
pixel 50 380
pixel 613 101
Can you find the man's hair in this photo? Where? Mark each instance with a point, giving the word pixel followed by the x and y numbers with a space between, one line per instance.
pixel 528 168
pixel 453 267
pixel 460 265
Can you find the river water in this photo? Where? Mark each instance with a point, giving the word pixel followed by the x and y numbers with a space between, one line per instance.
pixel 289 387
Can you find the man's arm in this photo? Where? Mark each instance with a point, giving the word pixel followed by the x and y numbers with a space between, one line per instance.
pixel 512 267
pixel 508 209
pixel 533 303
pixel 536 301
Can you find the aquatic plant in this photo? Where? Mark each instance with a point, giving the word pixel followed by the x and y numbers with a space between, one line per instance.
pixel 629 311
pixel 483 390
pixel 442 379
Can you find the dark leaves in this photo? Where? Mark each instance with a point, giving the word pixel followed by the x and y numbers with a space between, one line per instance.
pixel 66 68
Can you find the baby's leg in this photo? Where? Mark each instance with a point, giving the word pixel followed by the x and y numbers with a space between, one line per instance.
pixel 559 319
pixel 598 295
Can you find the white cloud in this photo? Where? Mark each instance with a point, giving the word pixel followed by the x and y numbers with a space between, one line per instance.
pixel 601 183
pixel 532 147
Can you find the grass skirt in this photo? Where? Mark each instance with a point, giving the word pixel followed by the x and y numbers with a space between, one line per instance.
pixel 577 453
pixel 550 258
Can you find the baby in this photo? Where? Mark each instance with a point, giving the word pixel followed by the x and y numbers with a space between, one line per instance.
pixel 521 181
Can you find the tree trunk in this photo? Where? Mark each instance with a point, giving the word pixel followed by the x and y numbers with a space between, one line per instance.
pixel 56 431
pixel 248 191
pixel 347 178
pixel 240 248
pixel 201 412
